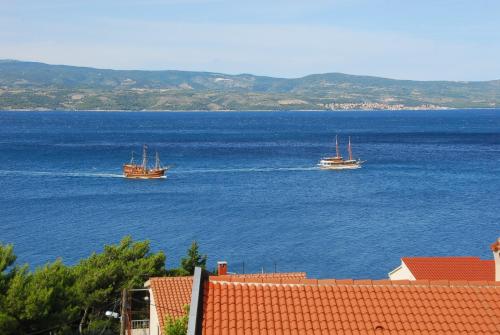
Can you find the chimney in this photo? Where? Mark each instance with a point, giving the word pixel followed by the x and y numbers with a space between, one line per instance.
pixel 495 247
pixel 222 268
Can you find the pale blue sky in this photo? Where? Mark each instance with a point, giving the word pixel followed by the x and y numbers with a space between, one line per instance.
pixel 420 39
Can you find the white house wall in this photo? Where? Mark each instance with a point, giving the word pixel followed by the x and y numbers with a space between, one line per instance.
pixel 154 324
pixel 401 273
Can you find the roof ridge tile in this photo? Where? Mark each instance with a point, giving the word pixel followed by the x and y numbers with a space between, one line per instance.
pixel 357 282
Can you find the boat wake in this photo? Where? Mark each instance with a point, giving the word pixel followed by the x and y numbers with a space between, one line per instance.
pixel 174 172
pixel 59 174
pixel 230 170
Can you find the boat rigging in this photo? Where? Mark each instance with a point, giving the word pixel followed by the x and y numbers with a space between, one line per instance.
pixel 337 162
pixel 142 171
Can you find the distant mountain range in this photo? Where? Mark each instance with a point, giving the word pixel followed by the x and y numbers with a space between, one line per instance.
pixel 32 85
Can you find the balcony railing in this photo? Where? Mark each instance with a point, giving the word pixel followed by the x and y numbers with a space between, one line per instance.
pixel 140 324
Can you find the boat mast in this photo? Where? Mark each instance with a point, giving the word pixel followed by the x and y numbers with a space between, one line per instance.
pixel 349 149
pixel 337 145
pixel 144 156
pixel 157 161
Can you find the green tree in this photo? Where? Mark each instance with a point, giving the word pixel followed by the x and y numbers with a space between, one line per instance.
pixel 39 300
pixel 63 299
pixel 101 277
pixel 7 270
pixel 192 260
pixel 8 324
pixel 177 325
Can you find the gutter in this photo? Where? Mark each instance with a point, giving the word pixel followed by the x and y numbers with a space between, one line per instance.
pixel 196 306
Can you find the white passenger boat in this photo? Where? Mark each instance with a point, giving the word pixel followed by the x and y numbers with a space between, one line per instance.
pixel 337 162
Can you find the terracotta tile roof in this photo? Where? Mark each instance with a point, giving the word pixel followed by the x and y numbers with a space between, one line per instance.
pixel 258 276
pixel 351 307
pixel 170 295
pixel 451 268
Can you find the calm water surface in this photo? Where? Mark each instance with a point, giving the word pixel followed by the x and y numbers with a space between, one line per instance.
pixel 245 186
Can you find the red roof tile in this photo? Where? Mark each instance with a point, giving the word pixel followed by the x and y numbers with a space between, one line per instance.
pixel 451 268
pixel 351 307
pixel 170 295
pixel 260 277
pixel 283 275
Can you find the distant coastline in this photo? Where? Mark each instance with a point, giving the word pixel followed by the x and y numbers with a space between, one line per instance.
pixel 237 111
pixel 231 110
pixel 38 86
pixel 42 110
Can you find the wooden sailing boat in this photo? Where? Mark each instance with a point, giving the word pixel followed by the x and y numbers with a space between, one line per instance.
pixel 337 162
pixel 142 171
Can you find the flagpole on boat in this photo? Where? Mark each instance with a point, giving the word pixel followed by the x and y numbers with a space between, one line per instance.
pixel 349 149
pixel 337 145
pixel 144 157
pixel 157 161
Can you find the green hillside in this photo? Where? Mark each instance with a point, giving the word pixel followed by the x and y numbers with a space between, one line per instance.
pixel 31 85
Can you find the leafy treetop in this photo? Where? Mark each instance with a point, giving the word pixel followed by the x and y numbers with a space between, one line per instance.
pixel 193 259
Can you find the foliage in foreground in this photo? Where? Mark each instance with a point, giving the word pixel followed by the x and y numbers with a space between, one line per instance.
pixel 193 259
pixel 177 325
pixel 65 299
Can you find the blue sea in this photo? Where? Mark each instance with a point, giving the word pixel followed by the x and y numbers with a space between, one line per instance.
pixel 246 187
